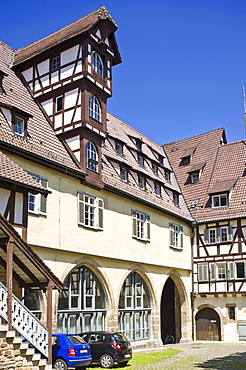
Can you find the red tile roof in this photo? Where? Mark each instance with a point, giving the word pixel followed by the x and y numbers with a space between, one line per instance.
pixel 224 171
pixel 66 33
pixel 10 171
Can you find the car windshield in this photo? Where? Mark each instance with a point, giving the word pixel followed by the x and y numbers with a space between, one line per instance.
pixel 74 339
pixel 118 338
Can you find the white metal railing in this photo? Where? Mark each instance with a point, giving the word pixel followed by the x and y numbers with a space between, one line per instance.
pixel 24 322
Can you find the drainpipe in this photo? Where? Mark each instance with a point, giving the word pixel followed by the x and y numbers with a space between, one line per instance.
pixel 193 238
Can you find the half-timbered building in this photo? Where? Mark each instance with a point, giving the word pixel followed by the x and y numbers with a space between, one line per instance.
pixel 211 174
pixel 105 211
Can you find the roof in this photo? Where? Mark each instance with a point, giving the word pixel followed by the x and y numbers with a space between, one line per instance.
pixel 197 167
pixel 41 140
pixel 224 171
pixel 222 186
pixel 188 152
pixel 74 29
pixel 11 172
pixel 118 130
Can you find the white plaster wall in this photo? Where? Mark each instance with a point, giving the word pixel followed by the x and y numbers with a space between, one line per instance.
pixel 48 106
pixel 43 67
pixel 18 208
pixel 28 73
pixel 69 55
pixel 70 98
pixel 74 142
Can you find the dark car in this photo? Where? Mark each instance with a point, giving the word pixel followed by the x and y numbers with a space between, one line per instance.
pixel 107 348
pixel 70 350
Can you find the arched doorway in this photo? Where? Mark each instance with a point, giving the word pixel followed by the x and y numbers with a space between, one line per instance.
pixel 208 325
pixel 170 312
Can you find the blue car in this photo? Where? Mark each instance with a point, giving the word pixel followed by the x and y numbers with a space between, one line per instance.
pixel 70 350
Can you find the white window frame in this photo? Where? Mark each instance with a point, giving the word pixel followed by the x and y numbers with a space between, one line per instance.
pixel 218 233
pixel 39 201
pixel 97 64
pixel 91 156
pixel 119 149
pixel 55 63
pixel 19 126
pixel 219 197
pixel 194 177
pixel 90 211
pixel 140 225
pixel 176 236
pixel 95 110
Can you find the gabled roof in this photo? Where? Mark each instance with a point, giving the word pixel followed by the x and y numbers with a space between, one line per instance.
pixel 117 129
pixel 11 172
pixel 74 29
pixel 224 171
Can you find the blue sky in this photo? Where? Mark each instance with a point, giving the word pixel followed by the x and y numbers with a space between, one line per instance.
pixel 184 61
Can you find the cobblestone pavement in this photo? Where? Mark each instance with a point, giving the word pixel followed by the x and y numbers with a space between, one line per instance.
pixel 203 356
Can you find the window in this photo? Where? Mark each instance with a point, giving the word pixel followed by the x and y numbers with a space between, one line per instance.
pixel 91 156
pixel 218 235
pixel 55 63
pixel 81 303
pixel 219 200
pixel 194 177
pixel 157 190
pixel 31 299
pixel 19 126
pixel 202 272
pixel 59 103
pixel 142 183
pixel 37 203
pixel 90 211
pixel 134 308
pixel 221 271
pixel 186 160
pixel 95 109
pixel 140 225
pixel 155 169
pixel 231 313
pixel 140 161
pixel 119 148
pixel 139 144
pixel 176 236
pixel 167 175
pixel 240 270
pixel 175 199
pixel 124 174
pixel 97 64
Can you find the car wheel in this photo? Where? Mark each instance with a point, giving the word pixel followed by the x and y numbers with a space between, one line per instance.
pixel 60 364
pixel 106 361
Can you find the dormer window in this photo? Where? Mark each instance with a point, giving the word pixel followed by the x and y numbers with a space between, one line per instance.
pixel 95 109
pixel 91 156
pixel 221 193
pixel 119 148
pixel 97 64
pixel 195 172
pixel 141 183
pixel 140 161
pixel 124 174
pixel 175 199
pixel 19 126
pixel 139 144
pixel 187 156
pixel 155 169
pixel 186 160
pixel 194 177
pixel 2 75
pixel 55 63
pixel 167 175
pixel 157 190
pixel 219 200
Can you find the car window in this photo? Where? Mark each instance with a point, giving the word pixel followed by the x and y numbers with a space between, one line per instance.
pixel 119 338
pixel 55 341
pixel 74 339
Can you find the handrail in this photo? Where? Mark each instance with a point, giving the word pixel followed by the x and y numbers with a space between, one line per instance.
pixel 24 321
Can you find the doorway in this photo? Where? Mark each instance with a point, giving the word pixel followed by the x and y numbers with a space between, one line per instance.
pixel 208 325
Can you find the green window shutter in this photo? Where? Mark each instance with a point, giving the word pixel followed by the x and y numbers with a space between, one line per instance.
pixel 81 208
pixel 206 236
pixel 230 232
pixel 212 271
pixel 43 199
pixel 148 227
pixel 100 213
pixel 134 223
pixel 181 235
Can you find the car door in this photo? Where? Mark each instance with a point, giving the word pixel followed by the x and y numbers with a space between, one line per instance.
pixel 96 344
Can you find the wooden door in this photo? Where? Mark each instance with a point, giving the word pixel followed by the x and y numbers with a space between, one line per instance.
pixel 208 325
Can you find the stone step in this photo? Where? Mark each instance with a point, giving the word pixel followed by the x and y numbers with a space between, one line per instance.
pixel 10 334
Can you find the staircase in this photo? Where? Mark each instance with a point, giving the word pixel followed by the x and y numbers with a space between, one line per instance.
pixel 14 353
